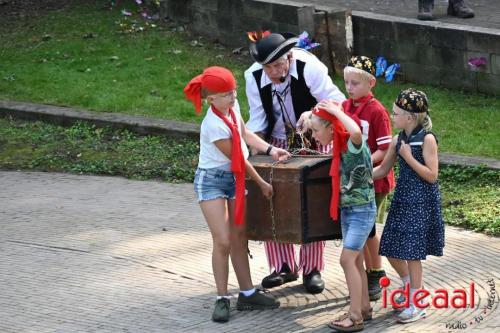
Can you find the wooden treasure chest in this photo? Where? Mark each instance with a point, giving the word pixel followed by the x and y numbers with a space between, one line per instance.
pixel 299 210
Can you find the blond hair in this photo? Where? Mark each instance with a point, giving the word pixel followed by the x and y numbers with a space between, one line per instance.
pixel 364 74
pixel 422 118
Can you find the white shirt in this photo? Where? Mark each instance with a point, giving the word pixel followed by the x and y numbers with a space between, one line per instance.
pixel 317 80
pixel 212 129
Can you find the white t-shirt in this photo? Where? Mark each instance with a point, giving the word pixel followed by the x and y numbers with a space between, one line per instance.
pixel 212 129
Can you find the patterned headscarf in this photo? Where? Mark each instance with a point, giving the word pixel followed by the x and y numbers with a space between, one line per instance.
pixel 363 63
pixel 413 100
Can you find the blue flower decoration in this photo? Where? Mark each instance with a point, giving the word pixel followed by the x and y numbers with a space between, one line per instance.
pixel 306 43
pixel 391 71
pixel 383 70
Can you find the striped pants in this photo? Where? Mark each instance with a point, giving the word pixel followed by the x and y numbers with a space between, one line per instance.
pixel 311 254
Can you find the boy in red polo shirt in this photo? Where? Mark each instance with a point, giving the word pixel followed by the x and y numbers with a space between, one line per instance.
pixel 372 117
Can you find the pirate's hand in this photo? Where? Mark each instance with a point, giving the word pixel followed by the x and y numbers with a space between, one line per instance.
pixel 279 154
pixel 304 122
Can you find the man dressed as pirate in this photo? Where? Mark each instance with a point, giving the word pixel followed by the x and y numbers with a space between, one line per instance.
pixel 284 82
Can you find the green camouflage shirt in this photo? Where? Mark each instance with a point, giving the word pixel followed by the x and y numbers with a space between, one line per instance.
pixel 356 182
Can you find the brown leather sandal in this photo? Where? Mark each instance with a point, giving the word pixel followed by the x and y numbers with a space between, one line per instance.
pixel 355 327
pixel 343 316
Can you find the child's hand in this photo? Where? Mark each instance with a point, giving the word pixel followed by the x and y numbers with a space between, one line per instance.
pixel 303 122
pixel 267 190
pixel 405 150
pixel 279 154
pixel 330 106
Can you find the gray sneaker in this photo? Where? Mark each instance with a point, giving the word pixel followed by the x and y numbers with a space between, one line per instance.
pixel 399 301
pixel 259 300
pixel 411 314
pixel 221 310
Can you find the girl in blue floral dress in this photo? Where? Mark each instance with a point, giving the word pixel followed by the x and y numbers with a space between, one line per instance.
pixel 414 226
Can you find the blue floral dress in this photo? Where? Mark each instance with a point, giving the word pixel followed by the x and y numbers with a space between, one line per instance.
pixel 414 226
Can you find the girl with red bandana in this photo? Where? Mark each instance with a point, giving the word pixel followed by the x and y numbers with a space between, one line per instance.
pixel 220 185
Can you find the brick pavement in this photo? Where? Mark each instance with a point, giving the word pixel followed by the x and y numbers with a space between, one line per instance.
pixel 106 254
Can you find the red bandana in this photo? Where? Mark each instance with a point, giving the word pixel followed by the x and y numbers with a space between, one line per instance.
pixel 215 79
pixel 340 137
pixel 353 111
pixel 237 164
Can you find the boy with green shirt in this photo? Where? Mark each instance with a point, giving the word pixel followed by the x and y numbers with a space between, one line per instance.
pixel 352 185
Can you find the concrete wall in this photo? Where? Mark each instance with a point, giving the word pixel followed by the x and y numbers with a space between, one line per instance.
pixel 429 52
pixel 432 52
pixel 230 20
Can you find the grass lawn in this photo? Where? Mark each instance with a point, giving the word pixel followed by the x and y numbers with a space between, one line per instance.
pixel 80 57
pixel 82 148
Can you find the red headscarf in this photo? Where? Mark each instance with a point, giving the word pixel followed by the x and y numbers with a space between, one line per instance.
pixel 219 80
pixel 214 79
pixel 340 136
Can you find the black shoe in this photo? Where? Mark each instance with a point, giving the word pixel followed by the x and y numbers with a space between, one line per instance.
pixel 277 279
pixel 374 288
pixel 259 300
pixel 458 8
pixel 313 282
pixel 425 8
pixel 221 310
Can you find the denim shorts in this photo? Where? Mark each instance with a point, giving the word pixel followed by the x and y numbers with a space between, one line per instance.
pixel 210 184
pixel 356 223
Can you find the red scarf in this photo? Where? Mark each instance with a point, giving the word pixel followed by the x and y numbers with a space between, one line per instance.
pixel 340 137
pixel 353 111
pixel 237 164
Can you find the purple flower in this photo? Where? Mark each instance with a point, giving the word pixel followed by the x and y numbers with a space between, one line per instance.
pixel 126 13
pixel 139 2
pixel 477 62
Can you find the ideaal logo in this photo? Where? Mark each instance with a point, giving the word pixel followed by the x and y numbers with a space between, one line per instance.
pixel 441 299
pixel 460 298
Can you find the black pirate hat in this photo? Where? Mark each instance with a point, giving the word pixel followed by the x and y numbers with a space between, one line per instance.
pixel 272 46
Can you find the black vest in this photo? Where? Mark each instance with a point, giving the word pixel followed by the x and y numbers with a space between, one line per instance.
pixel 302 99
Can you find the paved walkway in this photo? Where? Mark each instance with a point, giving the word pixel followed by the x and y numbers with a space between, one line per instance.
pixel 105 254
